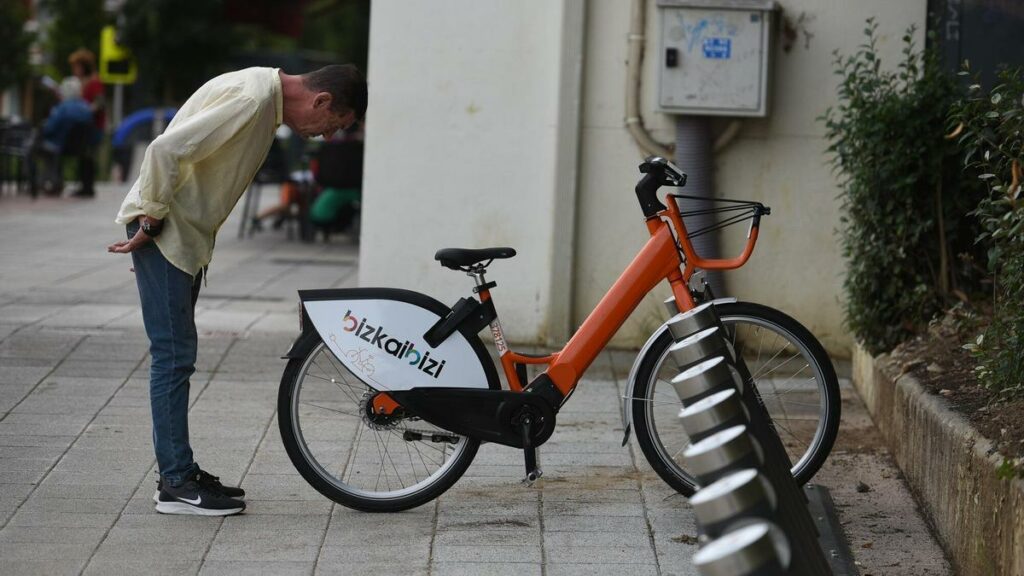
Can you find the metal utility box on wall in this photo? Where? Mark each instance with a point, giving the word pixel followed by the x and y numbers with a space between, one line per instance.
pixel 715 56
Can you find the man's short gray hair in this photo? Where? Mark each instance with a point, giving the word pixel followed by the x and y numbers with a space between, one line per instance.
pixel 346 85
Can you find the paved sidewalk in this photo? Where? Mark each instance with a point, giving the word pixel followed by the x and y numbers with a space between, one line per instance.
pixel 77 468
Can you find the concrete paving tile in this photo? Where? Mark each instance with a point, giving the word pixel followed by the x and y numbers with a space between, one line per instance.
pixel 308 508
pixel 484 537
pixel 96 369
pixel 573 540
pixel 270 548
pixel 485 553
pixel 486 522
pixel 150 553
pixel 120 479
pixel 611 570
pixel 14 475
pixel 279 487
pixel 27 517
pixel 241 534
pixel 53 534
pixel 86 315
pixel 562 446
pixel 266 523
pixel 119 431
pixel 34 425
pixel 341 567
pixel 557 459
pixel 47 567
pixel 583 494
pixel 157 566
pixel 7 329
pixel 56 490
pixel 63 386
pixel 484 569
pixel 48 405
pixel 10 374
pixel 559 523
pixel 410 521
pixel 48 453
pixel 133 438
pixel 13 494
pixel 483 506
pixel 155 532
pixel 38 504
pixel 610 554
pixel 37 551
pixel 411 550
pixel 253 568
pixel 36 344
pixel 604 510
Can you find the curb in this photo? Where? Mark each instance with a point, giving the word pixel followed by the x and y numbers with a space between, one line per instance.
pixel 950 467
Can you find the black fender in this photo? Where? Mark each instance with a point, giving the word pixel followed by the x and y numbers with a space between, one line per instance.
pixel 300 347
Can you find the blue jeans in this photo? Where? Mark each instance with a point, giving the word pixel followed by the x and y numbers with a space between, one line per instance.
pixel 168 298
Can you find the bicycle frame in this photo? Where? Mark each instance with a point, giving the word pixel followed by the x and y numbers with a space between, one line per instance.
pixel 668 255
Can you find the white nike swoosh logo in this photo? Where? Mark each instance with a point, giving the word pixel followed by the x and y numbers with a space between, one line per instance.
pixel 195 502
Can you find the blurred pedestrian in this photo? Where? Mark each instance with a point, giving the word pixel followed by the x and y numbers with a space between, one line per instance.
pixel 83 66
pixel 191 177
pixel 67 131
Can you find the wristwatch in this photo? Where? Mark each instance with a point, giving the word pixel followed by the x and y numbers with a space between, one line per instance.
pixel 151 226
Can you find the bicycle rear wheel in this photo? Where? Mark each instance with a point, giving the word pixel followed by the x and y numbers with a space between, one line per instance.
pixel 790 369
pixel 361 460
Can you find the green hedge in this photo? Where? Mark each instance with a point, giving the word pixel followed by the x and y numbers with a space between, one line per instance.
pixel 902 222
pixel 991 135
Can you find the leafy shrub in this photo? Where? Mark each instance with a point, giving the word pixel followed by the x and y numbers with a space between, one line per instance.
pixel 991 133
pixel 901 219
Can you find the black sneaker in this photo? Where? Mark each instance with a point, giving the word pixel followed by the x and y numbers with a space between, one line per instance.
pixel 194 498
pixel 204 479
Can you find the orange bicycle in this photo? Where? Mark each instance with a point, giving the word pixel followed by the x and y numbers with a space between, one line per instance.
pixel 388 393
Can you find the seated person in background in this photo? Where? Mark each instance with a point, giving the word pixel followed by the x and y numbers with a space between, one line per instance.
pixel 83 66
pixel 69 130
pixel 339 171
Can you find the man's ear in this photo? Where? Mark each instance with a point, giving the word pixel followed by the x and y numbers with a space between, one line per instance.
pixel 322 99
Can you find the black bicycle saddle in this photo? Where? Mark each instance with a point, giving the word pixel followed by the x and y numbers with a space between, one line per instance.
pixel 458 258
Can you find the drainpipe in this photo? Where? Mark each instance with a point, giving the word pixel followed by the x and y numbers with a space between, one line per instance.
pixel 693 150
pixel 635 122
pixel 695 155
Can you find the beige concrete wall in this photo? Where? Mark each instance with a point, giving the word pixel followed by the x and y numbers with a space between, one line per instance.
pixel 471 142
pixel 480 133
pixel 779 160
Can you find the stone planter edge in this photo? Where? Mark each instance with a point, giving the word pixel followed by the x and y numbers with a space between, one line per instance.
pixel 949 466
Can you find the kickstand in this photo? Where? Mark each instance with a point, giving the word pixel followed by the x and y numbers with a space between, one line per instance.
pixel 529 451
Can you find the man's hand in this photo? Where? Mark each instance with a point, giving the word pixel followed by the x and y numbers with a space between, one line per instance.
pixel 125 246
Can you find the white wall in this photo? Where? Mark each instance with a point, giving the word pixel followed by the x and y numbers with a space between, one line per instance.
pixel 779 160
pixel 474 138
pixel 471 143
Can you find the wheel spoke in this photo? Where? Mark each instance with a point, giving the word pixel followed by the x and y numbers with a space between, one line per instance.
pixel 789 372
pixel 368 464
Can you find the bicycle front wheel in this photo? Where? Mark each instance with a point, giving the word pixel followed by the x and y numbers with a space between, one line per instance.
pixel 790 369
pixel 368 462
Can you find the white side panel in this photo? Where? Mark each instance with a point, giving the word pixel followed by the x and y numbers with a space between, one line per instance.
pixel 381 342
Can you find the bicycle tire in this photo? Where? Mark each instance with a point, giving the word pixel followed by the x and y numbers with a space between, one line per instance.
pixel 734 316
pixel 315 472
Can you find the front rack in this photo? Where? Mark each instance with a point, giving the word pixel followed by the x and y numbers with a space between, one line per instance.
pixel 741 211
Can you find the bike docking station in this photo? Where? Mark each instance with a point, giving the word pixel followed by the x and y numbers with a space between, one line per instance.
pixel 752 517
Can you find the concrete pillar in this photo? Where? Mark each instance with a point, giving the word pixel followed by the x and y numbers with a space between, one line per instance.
pixel 472 141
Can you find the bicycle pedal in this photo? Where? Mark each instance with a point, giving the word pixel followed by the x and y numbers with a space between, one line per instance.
pixel 531 477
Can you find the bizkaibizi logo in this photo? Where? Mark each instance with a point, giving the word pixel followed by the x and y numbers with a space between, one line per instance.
pixel 401 349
